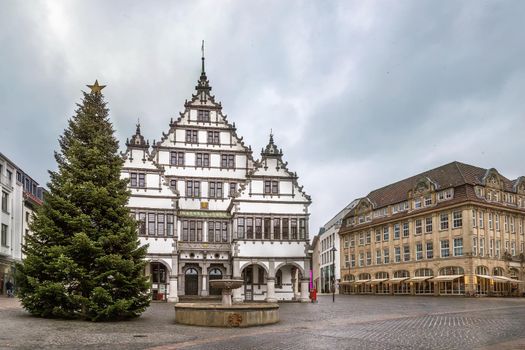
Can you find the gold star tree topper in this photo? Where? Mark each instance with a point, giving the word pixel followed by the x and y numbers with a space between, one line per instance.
pixel 96 88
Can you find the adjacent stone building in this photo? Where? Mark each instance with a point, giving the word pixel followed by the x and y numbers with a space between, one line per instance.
pixel 20 197
pixel 209 210
pixel 454 230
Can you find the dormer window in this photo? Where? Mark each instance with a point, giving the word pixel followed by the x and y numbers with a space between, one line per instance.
pixel 203 115
pixel 428 200
pixel 417 203
pixel 445 195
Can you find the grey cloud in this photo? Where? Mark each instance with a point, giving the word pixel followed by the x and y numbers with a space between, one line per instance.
pixel 359 94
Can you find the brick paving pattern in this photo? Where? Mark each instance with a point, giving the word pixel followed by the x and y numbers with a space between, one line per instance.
pixel 352 322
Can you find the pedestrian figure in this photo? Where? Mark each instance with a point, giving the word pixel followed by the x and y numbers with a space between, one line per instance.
pixel 9 287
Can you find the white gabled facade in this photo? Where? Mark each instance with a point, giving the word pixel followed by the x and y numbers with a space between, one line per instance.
pixel 204 210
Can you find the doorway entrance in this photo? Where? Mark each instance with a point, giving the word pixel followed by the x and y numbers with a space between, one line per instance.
pixel 191 282
pixel 215 274
pixel 159 285
pixel 248 283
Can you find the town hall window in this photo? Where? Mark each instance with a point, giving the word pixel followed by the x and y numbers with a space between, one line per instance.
pixel 271 187
pixel 177 158
pixel 277 228
pixel 203 115
pixel 215 189
pixel 267 228
pixel 302 228
pixel 202 159
pixel 192 231
pixel 293 228
pixel 151 224
pixel 240 228
pixel 228 161
pixel 258 228
pixel 192 136
pixel 249 228
pixel 170 224
pixel 285 229
pixel 160 225
pixel 233 187
pixel 193 188
pixel 142 224
pixel 214 137
pixel 138 180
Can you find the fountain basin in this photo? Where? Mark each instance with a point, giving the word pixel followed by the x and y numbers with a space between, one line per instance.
pixel 218 315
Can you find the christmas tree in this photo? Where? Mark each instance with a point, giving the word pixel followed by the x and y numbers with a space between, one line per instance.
pixel 83 259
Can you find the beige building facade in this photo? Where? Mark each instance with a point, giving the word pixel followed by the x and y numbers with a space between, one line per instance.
pixel 454 230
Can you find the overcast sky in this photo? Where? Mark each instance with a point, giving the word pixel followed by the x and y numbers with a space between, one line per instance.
pixel 359 94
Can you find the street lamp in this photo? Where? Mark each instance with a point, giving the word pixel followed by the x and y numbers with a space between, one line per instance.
pixel 333 250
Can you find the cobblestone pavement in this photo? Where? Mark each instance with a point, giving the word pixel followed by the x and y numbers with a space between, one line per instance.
pixel 352 322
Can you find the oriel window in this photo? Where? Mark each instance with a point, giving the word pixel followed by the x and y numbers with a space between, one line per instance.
pixel 249 228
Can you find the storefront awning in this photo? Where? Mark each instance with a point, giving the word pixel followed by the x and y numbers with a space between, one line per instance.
pixel 378 280
pixel 362 281
pixel 419 278
pixel 485 277
pixel 503 279
pixel 446 278
pixel 397 279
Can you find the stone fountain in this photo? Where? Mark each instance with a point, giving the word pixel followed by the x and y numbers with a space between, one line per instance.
pixel 226 314
pixel 226 286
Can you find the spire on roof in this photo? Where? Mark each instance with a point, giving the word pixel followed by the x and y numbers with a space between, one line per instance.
pixel 202 58
pixel 271 149
pixel 137 132
pixel 203 85
pixel 137 140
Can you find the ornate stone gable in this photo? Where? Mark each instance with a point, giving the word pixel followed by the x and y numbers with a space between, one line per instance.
pixel 202 112
pixel 364 206
pixel 137 142
pixel 519 185
pixel 422 187
pixel 493 179
pixel 271 168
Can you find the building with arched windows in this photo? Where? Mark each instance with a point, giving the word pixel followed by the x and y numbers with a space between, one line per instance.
pixel 208 209
pixel 454 230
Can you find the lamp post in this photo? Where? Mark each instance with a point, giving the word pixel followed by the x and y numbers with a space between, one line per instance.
pixel 333 250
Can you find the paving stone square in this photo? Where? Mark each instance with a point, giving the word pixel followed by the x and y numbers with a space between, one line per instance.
pixel 352 322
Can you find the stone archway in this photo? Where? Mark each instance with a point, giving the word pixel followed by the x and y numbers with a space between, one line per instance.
pixel 159 279
pixel 291 283
pixel 255 278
